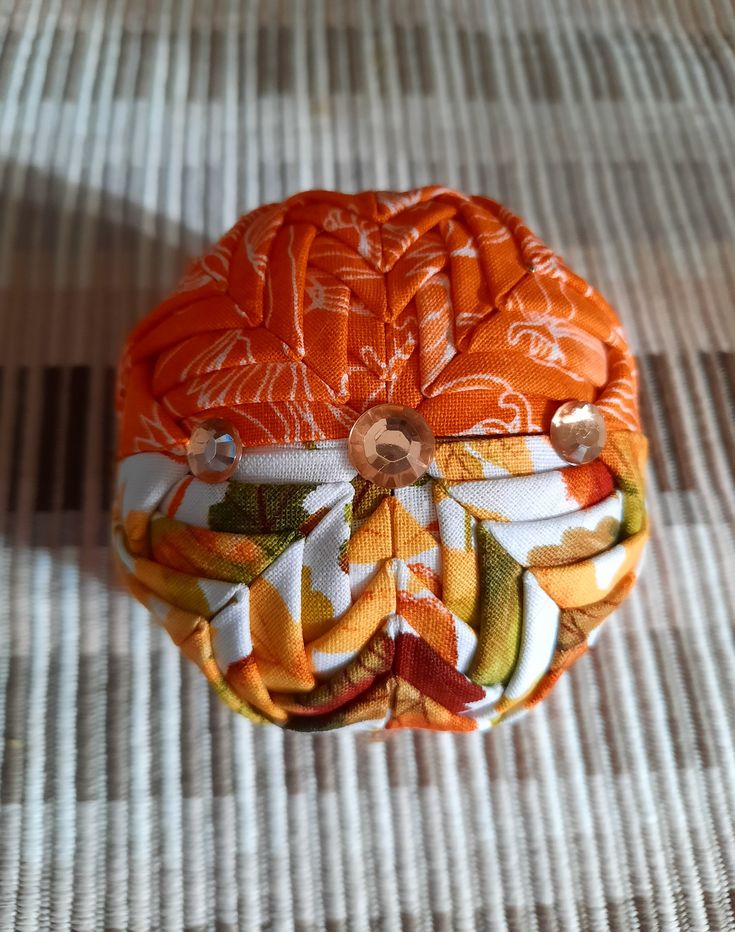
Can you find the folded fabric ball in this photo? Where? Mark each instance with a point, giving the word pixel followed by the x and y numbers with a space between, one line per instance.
pixel 380 463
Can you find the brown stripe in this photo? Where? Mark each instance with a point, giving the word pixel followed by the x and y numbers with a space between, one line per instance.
pixel 395 759
pixel 216 85
pixel 75 67
pixel 116 727
pixel 530 66
pixel 669 451
pixel 671 402
pixel 510 83
pixel 726 362
pixel 324 763
pixel 519 918
pixel 403 56
pixel 76 437
pixel 619 915
pixel 48 428
pixel 639 49
pixel 14 736
pixel 573 49
pixel 486 63
pixel 713 907
pixel 425 59
pixel 107 427
pixel 336 925
pixel 409 923
pixel 154 737
pixel 717 64
pixel 62 452
pixel 716 408
pixel 54 75
pixel 293 762
pixel 591 61
pixel 424 752
pixel 355 60
pixel 311 60
pixel 333 38
pixel 197 52
pixel 604 52
pixel 18 435
pixel 144 64
pixel 547 918
pixel 285 55
pixel 661 53
pixel 541 66
pixel 646 911
pixel 8 55
pixel 441 922
pixel 650 428
pixel 464 43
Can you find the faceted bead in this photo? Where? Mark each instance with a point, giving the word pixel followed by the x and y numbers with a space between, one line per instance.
pixel 578 432
pixel 213 450
pixel 391 445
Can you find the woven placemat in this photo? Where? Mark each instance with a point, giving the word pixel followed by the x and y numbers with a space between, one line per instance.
pixel 131 134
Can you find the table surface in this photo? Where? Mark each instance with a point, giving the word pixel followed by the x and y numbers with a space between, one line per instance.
pixel 133 133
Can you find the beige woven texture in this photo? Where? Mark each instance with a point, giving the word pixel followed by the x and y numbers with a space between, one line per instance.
pixel 131 134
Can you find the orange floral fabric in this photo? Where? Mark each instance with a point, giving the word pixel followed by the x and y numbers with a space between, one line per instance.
pixel 308 311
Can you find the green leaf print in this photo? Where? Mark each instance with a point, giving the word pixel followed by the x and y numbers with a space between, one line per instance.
pixel 262 509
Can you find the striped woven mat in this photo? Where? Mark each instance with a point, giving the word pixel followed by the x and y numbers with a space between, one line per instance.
pixel 133 132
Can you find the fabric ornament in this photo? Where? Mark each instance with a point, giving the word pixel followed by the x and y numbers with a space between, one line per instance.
pixel 380 463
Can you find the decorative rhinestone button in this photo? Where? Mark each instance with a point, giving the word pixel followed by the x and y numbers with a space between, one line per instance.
pixel 578 432
pixel 213 450
pixel 391 445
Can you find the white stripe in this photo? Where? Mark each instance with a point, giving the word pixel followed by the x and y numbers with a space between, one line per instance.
pixel 538 638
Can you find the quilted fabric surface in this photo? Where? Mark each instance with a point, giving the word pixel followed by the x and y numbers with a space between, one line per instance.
pixel 313 598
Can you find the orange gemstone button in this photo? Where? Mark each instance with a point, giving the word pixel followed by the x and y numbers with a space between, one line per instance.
pixel 578 432
pixel 213 450
pixel 391 445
